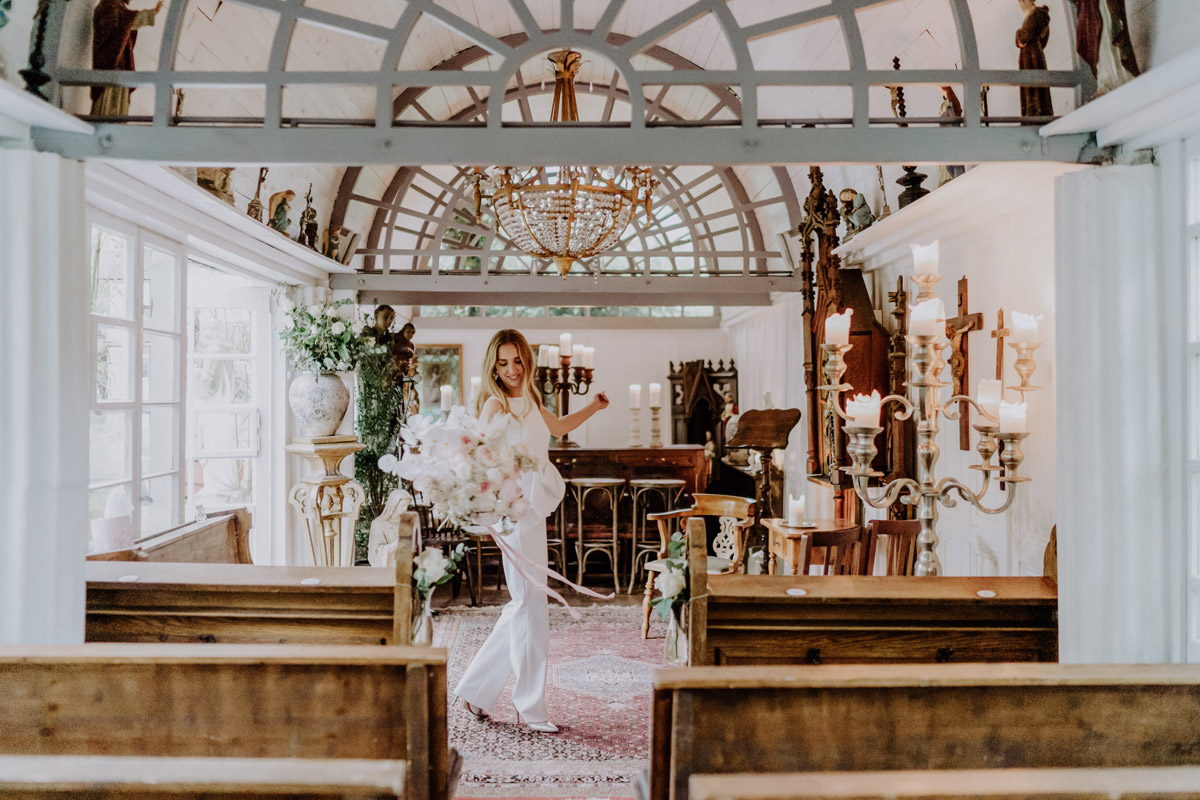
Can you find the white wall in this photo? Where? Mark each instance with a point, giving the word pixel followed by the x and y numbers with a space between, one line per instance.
pixel 622 357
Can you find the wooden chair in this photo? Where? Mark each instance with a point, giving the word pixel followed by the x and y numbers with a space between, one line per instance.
pixel 841 552
pixel 901 545
pixel 735 515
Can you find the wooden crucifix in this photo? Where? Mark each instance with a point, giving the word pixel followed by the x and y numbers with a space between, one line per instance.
pixel 956 331
pixel 1000 334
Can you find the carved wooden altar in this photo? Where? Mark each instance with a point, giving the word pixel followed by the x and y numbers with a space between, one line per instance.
pixel 699 395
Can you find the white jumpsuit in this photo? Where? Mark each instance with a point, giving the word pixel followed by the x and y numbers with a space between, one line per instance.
pixel 519 644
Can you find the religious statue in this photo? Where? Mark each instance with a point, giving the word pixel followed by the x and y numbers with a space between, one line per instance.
pixel 308 222
pixel 279 206
pixel 385 530
pixel 1102 41
pixel 953 109
pixel 255 209
pixel 215 180
pixel 114 34
pixel 1032 37
pixel 855 212
pixel 331 242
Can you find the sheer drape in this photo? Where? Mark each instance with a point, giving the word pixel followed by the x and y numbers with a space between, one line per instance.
pixel 45 370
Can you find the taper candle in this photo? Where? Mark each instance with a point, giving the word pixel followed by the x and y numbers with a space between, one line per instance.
pixel 1025 329
pixel 476 386
pixel 577 355
pixel 589 357
pixel 928 318
pixel 564 343
pixel 990 394
pixel 552 360
pixel 864 410
pixel 544 356
pixel 1012 417
pixel 795 511
pixel 445 398
pixel 656 395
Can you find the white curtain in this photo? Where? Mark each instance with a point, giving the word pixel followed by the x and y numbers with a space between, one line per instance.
pixel 45 370
pixel 1120 464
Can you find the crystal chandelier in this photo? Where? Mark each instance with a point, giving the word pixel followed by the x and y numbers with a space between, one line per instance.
pixel 564 213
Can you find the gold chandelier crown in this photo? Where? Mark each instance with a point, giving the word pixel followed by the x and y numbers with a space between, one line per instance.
pixel 565 213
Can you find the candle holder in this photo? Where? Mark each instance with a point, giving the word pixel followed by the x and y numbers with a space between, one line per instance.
pixel 635 427
pixel 925 492
pixel 1025 367
pixel 562 382
pixel 655 426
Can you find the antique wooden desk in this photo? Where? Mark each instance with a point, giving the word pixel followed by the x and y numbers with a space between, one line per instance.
pixel 788 543
pixel 752 619
pixel 682 461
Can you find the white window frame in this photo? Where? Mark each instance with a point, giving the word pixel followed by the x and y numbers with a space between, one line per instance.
pixel 1191 231
pixel 139 239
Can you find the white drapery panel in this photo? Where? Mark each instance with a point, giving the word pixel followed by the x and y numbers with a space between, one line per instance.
pixel 1120 458
pixel 45 369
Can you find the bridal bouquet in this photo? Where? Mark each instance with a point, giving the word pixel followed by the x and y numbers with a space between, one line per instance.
pixel 466 470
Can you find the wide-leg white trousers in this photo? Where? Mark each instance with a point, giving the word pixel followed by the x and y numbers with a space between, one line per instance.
pixel 520 643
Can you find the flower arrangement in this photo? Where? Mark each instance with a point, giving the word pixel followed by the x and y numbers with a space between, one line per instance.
pixel 431 569
pixel 672 581
pixel 319 339
pixel 466 470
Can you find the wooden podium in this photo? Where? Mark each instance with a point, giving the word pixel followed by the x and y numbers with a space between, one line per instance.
pixel 328 501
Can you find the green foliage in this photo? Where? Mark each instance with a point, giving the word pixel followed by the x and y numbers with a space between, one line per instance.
pixel 381 412
pixel 318 340
pixel 675 570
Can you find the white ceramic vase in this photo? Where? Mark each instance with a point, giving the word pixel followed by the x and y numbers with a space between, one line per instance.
pixel 319 402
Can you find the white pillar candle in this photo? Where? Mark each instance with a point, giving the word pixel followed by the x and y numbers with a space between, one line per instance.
pixel 864 410
pixel 476 386
pixel 925 259
pixel 1012 417
pixel 552 359
pixel 927 318
pixel 1025 329
pixel 577 355
pixel 445 398
pixel 990 394
pixel 795 511
pixel 544 356
pixel 589 357
pixel 656 395
pixel 635 395
pixel 564 343
pixel 837 327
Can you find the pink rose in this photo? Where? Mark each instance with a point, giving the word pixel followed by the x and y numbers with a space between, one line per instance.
pixel 484 486
pixel 509 491
pixel 520 507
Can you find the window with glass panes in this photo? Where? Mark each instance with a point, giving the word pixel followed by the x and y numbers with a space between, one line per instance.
pixel 136 424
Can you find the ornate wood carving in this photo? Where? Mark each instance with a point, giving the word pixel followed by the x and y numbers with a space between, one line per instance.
pixel 699 395
pixel 900 445
pixel 956 331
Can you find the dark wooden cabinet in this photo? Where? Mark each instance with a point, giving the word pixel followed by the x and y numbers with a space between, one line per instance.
pixel 682 461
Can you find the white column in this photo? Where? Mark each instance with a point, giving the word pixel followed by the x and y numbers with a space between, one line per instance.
pixel 1120 334
pixel 45 370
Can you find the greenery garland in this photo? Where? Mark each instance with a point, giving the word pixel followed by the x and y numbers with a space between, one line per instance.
pixel 382 409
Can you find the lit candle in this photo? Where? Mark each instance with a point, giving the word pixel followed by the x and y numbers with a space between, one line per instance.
pixel 445 398
pixel 1025 329
pixel 927 318
pixel 564 343
pixel 577 354
pixel 656 395
pixel 1012 417
pixel 990 393
pixel 552 359
pixel 544 356
pixel 863 410
pixel 476 386
pixel 837 327
pixel 925 259
pixel 589 357
pixel 795 511
pixel 635 395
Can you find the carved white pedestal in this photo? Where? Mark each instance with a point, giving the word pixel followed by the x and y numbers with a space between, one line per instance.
pixel 328 501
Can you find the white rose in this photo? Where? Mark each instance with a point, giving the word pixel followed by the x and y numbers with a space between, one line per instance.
pixel 670 584
pixel 388 462
pixel 287 305
pixel 314 310
pixel 433 562
pixel 338 328
pixel 330 311
pixel 329 363
pixel 360 326
pixel 288 323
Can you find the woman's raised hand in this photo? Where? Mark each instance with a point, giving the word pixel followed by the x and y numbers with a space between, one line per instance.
pixel 601 400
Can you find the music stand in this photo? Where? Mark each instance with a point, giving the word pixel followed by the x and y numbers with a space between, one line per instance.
pixel 763 431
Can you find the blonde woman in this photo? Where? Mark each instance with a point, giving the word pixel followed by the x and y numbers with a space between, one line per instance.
pixel 520 642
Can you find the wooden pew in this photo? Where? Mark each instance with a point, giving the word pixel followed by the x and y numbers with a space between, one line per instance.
pixel 752 619
pixel 232 701
pixel 171 778
pixel 1134 783
pixel 949 716
pixel 243 603
pixel 220 539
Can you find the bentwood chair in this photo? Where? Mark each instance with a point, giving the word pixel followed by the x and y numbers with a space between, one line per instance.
pixel 842 552
pixel 734 516
pixel 900 545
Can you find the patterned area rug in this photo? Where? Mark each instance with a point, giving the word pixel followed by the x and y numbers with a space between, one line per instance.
pixel 599 696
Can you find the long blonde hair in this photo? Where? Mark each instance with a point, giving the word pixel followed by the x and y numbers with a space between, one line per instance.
pixel 493 386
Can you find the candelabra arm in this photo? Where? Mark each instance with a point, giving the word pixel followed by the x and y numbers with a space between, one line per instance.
pixel 949 410
pixel 908 410
pixel 948 485
pixel 891 492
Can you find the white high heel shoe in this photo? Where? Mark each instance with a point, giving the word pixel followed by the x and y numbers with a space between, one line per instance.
pixel 538 727
pixel 474 709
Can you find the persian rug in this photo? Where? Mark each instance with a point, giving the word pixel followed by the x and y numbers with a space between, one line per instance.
pixel 599 693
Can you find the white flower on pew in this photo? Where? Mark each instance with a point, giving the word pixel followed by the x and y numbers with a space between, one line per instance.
pixel 433 563
pixel 671 584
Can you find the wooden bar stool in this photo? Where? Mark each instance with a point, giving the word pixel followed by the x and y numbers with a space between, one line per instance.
pixel 612 488
pixel 643 547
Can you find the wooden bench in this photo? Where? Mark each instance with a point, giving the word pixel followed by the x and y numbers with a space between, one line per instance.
pixel 776 619
pixel 163 778
pixel 244 604
pixel 232 701
pixel 220 539
pixel 948 716
pixel 1115 783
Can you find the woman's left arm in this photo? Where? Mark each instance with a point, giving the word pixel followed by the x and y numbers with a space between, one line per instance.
pixel 560 426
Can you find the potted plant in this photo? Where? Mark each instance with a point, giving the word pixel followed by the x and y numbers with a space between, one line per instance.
pixel 320 342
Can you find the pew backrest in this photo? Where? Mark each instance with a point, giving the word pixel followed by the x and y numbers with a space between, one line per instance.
pixel 969 716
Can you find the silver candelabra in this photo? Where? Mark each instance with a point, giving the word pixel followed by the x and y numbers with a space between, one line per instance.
pixel 924 385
